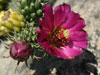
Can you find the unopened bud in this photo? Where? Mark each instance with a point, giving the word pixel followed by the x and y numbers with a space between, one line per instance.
pixel 39 12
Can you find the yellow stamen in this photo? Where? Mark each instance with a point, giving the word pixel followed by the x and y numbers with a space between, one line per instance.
pixel 66 33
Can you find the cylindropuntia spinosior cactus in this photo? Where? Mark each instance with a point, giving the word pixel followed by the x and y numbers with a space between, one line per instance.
pixel 10 20
pixel 24 45
pixel 24 41
pixel 31 9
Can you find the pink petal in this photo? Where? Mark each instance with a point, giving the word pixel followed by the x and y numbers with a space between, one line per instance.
pixel 74 51
pixel 78 26
pixel 70 52
pixel 60 14
pixel 63 52
pixel 44 25
pixel 13 50
pixel 47 20
pixel 51 49
pixel 78 36
pixel 71 21
pixel 82 44
pixel 63 16
pixel 42 37
pixel 55 51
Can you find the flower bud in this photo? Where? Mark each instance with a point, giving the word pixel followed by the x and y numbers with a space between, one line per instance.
pixel 23 3
pixel 32 9
pixel 20 50
pixel 37 4
pixel 23 12
pixel 39 13
pixel 33 15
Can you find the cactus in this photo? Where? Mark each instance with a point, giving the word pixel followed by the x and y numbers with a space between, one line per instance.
pixel 10 21
pixel 24 23
pixel 31 9
pixel 3 4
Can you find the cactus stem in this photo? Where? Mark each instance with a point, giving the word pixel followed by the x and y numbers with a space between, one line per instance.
pixel 15 34
pixel 26 8
pixel 25 31
pixel 37 58
pixel 45 54
pixel 31 19
pixel 19 0
pixel 30 34
pixel 32 4
pixel 10 38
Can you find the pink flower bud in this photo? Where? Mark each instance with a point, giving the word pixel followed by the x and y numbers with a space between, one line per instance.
pixel 20 50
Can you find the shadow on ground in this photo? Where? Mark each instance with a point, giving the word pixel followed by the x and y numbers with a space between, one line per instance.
pixel 79 66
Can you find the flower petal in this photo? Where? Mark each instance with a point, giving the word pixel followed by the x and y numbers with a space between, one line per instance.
pixel 63 52
pixel 82 44
pixel 47 20
pixel 61 13
pixel 63 18
pixel 78 26
pixel 71 52
pixel 55 51
pixel 78 36
pixel 71 21
pixel 42 37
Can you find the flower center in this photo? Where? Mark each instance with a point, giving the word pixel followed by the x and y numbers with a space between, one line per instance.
pixel 59 36
pixel 6 15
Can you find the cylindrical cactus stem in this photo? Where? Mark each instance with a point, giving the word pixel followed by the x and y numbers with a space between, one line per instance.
pixel 23 3
pixel 31 7
pixel 11 20
pixel 37 4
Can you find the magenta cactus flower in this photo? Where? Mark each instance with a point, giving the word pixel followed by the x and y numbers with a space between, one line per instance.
pixel 20 50
pixel 61 33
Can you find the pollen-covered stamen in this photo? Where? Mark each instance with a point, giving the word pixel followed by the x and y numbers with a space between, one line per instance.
pixel 59 37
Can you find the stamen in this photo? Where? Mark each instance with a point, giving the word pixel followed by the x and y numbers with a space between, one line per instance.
pixel 59 36
pixel 66 33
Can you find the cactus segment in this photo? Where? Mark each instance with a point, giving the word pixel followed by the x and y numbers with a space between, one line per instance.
pixel 11 20
pixel 32 9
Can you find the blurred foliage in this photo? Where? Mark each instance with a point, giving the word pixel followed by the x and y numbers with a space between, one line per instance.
pixel 13 4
